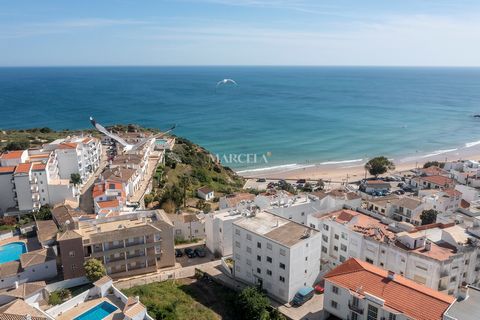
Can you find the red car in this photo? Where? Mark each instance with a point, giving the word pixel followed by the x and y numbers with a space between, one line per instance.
pixel 319 289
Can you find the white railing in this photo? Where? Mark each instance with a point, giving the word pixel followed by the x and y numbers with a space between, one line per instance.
pixel 67 305
pixel 69 283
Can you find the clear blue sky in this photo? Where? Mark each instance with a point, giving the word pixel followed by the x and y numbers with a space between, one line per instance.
pixel 240 32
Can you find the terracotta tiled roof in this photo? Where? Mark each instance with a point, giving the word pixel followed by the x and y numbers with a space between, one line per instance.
pixel 438 180
pixel 9 269
pixel 18 309
pixel 36 257
pixel 405 296
pixel 23 168
pixel 39 166
pixel 12 155
pixel 205 190
pixel 108 204
pixel 133 307
pixel 100 282
pixel 7 169
pixel 68 235
pixel 26 289
pixel 46 230
pixel 67 145
pixel 433 171
pixel 464 204
pixel 346 215
pixel 452 192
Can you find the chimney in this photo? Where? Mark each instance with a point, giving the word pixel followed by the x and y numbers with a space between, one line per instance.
pixel 391 275
pixel 463 293
pixel 137 298
pixel 428 245
pixel 16 284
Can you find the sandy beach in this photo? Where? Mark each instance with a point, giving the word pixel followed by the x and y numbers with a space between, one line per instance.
pixel 341 172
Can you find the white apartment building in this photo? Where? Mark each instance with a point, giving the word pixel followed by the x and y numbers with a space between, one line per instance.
pixel 218 230
pixel 358 290
pixel 32 181
pixel 298 208
pixel 188 226
pixel 441 257
pixel 447 200
pixel 279 255
pixel 76 155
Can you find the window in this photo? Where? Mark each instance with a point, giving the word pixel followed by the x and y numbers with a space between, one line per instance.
pixel 453 279
pixel 335 248
pixel 249 250
pixel 269 246
pixel 269 272
pixel 324 249
pixel 325 238
pixel 342 258
pixel 372 313
pixel 259 258
pixel 269 259
pixel 325 227
pixel 334 304
pixel 237 268
pixel 354 316
pixel 369 260
pixel 282 266
pixel 71 253
pixel 343 247
pixel 220 230
pixel 335 289
pixel 344 236
pixel 282 279
pixel 392 316
pixel 73 267
pixel 237 232
pixel 259 245
pixel 303 213
pixel 249 236
pixel 312 225
pixel 259 270
pixel 237 244
pixel 336 237
pixel 306 258
pixel 283 252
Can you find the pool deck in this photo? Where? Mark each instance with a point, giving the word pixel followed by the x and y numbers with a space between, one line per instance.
pixel 83 307
pixel 31 243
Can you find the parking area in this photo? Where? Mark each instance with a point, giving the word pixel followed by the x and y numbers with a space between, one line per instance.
pixel 185 261
pixel 310 310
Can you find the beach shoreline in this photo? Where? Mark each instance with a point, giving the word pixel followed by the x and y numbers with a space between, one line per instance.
pixel 353 170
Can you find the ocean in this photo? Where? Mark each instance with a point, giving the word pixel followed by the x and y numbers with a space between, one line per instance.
pixel 275 116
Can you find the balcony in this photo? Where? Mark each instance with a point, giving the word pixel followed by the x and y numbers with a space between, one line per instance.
pixel 136 255
pixel 35 197
pixel 355 307
pixel 442 287
pixel 111 246
pixel 134 243
pixel 115 259
pixel 34 188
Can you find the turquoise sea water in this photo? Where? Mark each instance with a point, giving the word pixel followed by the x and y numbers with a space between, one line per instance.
pixel 296 115
pixel 12 251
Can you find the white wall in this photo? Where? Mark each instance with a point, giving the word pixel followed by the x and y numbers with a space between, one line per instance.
pixel 24 193
pixel 6 192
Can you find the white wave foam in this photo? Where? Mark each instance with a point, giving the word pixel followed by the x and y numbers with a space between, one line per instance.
pixel 471 144
pixel 284 166
pixel 438 152
pixel 340 162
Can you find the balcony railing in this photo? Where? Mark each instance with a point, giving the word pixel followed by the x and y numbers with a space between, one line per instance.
pixel 113 258
pixel 355 307
pixel 134 243
pixel 112 246
pixel 136 254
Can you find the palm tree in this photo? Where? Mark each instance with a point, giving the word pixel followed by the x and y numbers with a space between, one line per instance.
pixel 184 183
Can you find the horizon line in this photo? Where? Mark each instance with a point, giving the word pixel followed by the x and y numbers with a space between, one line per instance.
pixel 239 66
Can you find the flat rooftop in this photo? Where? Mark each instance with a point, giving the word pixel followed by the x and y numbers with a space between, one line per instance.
pixel 278 229
pixel 467 309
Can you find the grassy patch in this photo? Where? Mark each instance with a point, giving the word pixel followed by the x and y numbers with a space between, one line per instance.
pixel 182 300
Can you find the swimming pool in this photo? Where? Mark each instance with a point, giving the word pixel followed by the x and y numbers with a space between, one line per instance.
pixel 98 312
pixel 12 251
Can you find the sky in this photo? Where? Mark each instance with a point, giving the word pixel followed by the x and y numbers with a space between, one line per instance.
pixel 240 32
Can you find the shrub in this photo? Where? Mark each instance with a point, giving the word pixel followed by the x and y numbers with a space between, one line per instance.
pixel 94 269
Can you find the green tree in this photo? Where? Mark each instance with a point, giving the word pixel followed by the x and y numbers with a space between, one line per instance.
pixel 433 164
pixel 17 145
pixel 379 165
pixel 253 304
pixel 75 179
pixel 184 184
pixel 428 216
pixel 44 213
pixel 94 269
pixel 148 199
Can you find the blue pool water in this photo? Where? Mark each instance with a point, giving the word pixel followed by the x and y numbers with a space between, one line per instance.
pixel 98 312
pixel 12 251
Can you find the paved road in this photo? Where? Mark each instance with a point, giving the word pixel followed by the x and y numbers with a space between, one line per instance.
pixel 85 199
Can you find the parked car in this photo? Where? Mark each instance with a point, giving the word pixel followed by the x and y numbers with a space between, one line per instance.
pixel 178 253
pixel 319 288
pixel 301 181
pixel 189 253
pixel 200 252
pixel 271 185
pixel 262 180
pixel 302 296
